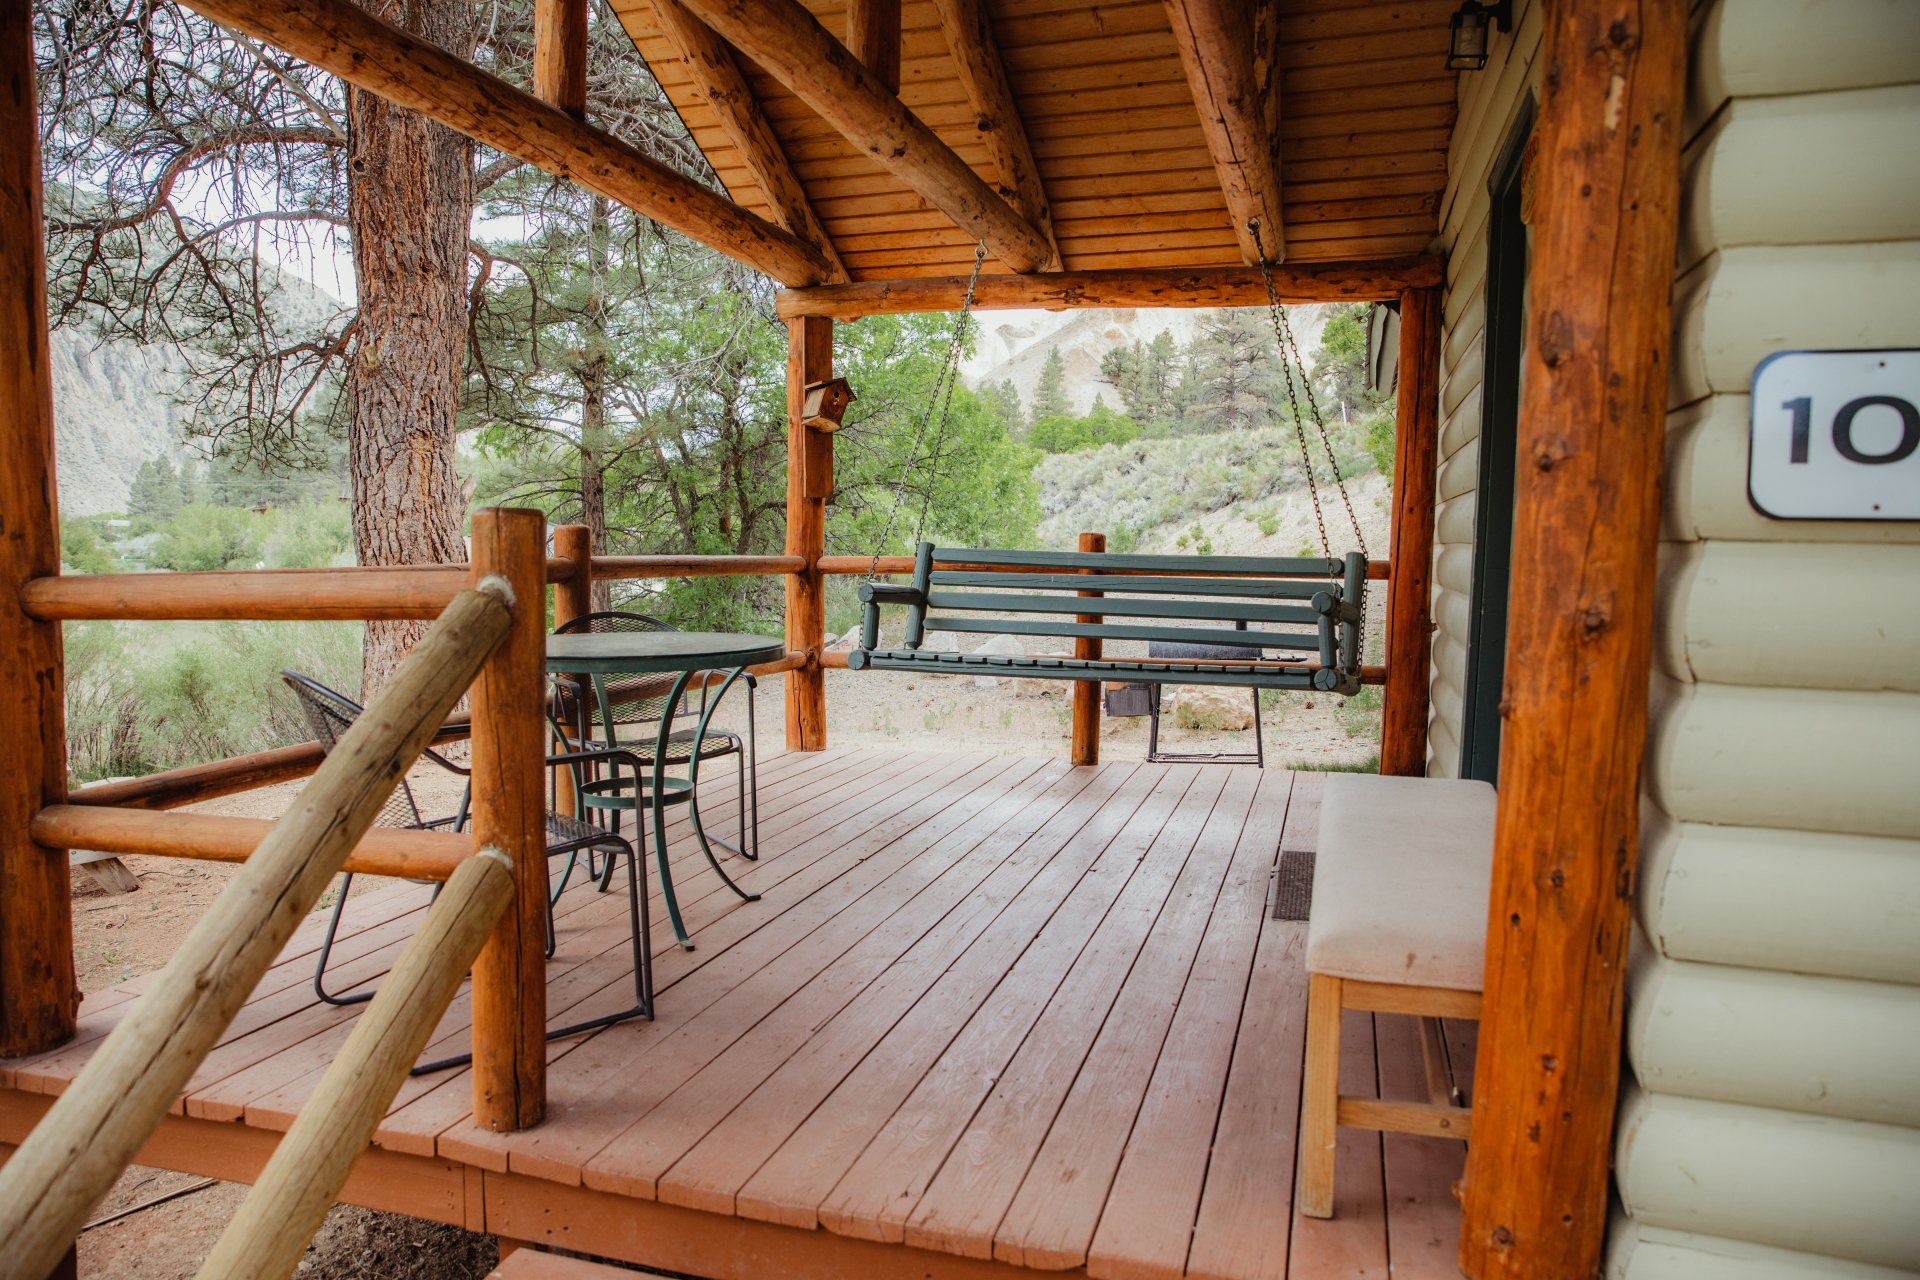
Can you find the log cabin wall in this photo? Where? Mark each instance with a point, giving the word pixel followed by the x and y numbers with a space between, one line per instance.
pixel 1768 1124
pixel 1491 102
pixel 1772 1123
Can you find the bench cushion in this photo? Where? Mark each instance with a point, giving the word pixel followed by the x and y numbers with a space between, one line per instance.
pixel 1400 881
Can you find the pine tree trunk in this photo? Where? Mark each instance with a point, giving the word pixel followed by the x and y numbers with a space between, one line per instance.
pixel 409 198
pixel 593 391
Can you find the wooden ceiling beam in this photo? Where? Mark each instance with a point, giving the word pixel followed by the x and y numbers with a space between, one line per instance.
pixel 1372 281
pixel 873 36
pixel 969 32
pixel 343 39
pixel 710 62
pixel 1216 39
pixel 789 43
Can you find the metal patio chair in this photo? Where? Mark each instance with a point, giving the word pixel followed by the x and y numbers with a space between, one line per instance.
pixel 625 712
pixel 329 712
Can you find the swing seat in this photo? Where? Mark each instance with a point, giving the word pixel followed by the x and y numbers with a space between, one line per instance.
pixel 1252 605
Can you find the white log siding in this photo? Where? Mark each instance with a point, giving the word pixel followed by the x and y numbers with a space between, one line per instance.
pixel 1490 102
pixel 1770 1119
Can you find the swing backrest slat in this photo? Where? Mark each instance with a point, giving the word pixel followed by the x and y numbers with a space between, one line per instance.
pixel 1218 601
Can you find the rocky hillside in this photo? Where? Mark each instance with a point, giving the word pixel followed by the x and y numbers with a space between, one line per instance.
pixel 1014 345
pixel 116 403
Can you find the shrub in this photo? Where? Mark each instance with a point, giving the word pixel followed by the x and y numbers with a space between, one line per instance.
pixel 82 550
pixel 203 692
pixel 1101 426
pixel 312 535
pixel 205 537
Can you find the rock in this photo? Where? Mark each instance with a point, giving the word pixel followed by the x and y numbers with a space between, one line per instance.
pixel 1212 706
pixel 941 641
pixel 851 640
pixel 1004 646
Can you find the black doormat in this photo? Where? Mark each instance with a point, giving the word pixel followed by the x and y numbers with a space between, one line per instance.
pixel 1293 885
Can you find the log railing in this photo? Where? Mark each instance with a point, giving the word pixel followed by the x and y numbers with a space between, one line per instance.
pixel 92 1131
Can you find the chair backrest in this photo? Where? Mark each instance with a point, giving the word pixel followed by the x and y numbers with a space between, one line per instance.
pixel 330 712
pixel 618 701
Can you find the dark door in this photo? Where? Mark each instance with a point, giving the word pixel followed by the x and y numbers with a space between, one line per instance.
pixel 1506 327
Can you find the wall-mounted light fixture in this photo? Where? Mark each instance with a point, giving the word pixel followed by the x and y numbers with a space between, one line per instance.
pixel 1471 32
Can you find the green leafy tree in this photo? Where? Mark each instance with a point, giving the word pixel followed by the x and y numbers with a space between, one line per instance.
pixel 1003 399
pixel 1050 393
pixel 1145 375
pixel 1234 368
pixel 1340 368
pixel 1100 425
pixel 154 497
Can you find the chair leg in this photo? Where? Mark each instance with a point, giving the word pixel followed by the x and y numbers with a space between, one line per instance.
pixel 326 950
pixel 1320 1096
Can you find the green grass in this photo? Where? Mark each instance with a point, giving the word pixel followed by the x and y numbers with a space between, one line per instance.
pixel 1370 765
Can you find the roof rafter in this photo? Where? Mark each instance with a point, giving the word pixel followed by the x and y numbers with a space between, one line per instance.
pixel 983 76
pixel 345 40
pixel 789 43
pixel 1216 41
pixel 710 62
pixel 873 34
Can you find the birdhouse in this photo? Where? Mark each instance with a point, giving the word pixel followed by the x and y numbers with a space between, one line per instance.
pixel 825 404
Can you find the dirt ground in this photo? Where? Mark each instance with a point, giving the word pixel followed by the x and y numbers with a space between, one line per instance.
pixel 119 936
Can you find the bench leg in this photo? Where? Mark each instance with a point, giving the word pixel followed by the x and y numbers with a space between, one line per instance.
pixel 1320 1096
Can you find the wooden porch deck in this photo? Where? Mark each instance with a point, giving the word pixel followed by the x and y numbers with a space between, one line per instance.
pixel 992 1013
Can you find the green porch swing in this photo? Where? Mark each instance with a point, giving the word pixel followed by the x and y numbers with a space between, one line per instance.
pixel 1311 610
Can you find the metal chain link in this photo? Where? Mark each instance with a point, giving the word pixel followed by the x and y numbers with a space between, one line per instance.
pixel 942 399
pixel 1289 357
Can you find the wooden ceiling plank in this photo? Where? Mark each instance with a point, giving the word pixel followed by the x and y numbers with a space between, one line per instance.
pixel 1215 39
pixel 339 37
pixel 1228 286
pixel 785 40
pixel 976 54
pixel 716 75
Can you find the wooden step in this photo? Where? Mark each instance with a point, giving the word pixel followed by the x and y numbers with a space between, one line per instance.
pixel 531 1264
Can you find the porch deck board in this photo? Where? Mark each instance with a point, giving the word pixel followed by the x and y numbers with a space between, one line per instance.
pixel 991 1009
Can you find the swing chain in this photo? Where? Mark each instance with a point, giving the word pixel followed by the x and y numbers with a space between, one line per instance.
pixel 1289 357
pixel 942 399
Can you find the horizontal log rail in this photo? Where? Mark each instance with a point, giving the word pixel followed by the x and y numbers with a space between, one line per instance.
pixel 1380 281
pixel 85 1140
pixel 360 593
pixel 628 567
pixel 285 1206
pixel 900 566
pixel 190 784
pixel 204 837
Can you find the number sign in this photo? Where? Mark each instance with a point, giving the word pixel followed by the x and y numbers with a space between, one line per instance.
pixel 1836 436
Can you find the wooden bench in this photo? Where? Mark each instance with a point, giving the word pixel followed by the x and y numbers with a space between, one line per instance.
pixel 1309 607
pixel 1398 925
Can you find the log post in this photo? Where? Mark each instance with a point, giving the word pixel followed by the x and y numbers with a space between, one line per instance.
pixel 572 598
pixel 1086 693
pixel 873 36
pixel 560 54
pixel 38 991
pixel 1416 461
pixel 509 814
pixel 1592 414
pixel 809 483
